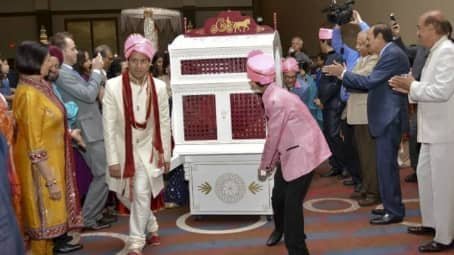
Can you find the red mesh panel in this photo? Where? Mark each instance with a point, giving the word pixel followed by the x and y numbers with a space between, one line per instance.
pixel 248 120
pixel 213 66
pixel 199 116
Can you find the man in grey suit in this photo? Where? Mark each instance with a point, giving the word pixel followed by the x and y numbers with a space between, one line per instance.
pixel 84 93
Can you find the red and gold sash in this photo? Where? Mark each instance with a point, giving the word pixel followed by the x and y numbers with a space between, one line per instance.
pixel 130 121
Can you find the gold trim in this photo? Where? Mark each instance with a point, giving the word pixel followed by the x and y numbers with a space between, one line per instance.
pixel 254 188
pixel 205 188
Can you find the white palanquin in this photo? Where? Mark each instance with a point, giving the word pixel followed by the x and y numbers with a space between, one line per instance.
pixel 158 25
pixel 217 122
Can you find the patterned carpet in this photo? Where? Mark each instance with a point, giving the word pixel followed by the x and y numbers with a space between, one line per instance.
pixel 341 233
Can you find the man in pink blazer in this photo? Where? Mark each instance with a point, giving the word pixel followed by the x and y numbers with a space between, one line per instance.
pixel 295 140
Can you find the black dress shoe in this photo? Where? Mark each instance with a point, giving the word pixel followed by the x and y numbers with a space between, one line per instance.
pixel 421 230
pixel 67 248
pixel 108 219
pixel 274 238
pixel 63 239
pixel 378 211
pixel 359 188
pixel 411 178
pixel 331 172
pixel 343 175
pixel 98 225
pixel 433 247
pixel 386 219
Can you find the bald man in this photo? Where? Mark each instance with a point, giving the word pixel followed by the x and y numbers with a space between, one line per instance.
pixel 433 94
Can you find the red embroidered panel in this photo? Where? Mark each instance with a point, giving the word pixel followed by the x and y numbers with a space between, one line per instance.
pixel 199 117
pixel 248 119
pixel 213 66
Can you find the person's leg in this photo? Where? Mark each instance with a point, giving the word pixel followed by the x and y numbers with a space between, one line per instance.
pixel 441 162
pixel 295 238
pixel 413 146
pixel 140 209
pixel 331 130
pixel 351 153
pixel 278 200
pixel 388 170
pixel 368 162
pixel 96 197
pixel 425 187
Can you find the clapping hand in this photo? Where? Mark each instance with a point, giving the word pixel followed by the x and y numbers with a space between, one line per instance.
pixel 401 83
pixel 335 69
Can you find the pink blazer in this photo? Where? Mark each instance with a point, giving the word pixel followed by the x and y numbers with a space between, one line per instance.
pixel 294 136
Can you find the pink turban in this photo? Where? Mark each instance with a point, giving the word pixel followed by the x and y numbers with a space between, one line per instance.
pixel 290 65
pixel 56 52
pixel 260 67
pixel 325 34
pixel 140 44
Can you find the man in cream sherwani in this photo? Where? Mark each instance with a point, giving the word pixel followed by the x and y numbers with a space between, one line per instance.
pixel 433 94
pixel 137 137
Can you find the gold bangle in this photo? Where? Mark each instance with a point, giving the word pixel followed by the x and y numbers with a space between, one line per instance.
pixel 51 183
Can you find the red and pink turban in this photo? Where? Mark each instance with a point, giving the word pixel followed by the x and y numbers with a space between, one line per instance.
pixel 56 52
pixel 260 67
pixel 290 65
pixel 140 44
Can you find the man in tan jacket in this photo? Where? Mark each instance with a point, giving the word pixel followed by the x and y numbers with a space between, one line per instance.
pixel 357 117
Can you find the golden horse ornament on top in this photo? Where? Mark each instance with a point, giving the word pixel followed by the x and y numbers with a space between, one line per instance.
pixel 227 26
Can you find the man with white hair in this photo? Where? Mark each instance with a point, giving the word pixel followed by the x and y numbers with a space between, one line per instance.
pixel 433 93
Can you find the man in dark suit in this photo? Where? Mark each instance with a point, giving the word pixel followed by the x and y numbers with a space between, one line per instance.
pixel 10 238
pixel 386 111
pixel 332 106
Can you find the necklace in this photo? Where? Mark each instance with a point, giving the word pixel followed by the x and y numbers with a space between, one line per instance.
pixel 138 81
pixel 139 93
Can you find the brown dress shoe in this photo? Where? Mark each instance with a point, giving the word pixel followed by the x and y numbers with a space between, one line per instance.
pixel 433 247
pixel 368 201
pixel 357 195
pixel 421 230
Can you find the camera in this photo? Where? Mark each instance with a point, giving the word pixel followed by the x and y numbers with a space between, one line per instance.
pixel 392 17
pixel 339 13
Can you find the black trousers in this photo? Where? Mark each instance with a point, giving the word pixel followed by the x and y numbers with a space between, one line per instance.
pixel 414 146
pixel 287 201
pixel 351 152
pixel 331 130
pixel 387 147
